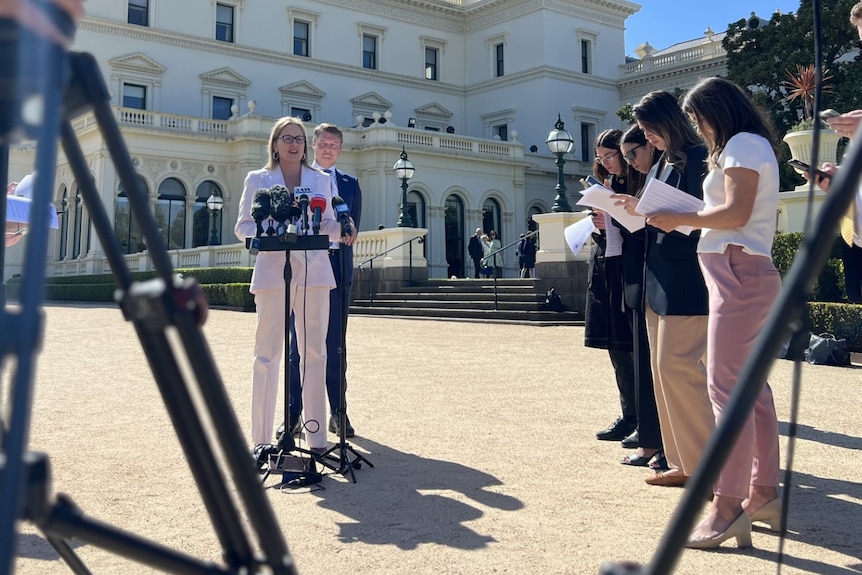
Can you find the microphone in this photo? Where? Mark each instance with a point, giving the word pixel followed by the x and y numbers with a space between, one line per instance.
pixel 281 200
pixel 301 195
pixel 318 204
pixel 342 214
pixel 261 208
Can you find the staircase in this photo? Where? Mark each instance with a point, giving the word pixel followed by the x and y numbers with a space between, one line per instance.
pixel 518 301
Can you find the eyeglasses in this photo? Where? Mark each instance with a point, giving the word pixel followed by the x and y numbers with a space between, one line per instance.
pixel 630 155
pixel 334 146
pixel 291 139
pixel 606 157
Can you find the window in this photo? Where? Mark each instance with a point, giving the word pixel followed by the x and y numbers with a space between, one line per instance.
pixel 498 53
pixel 303 114
pixel 501 132
pixel 224 23
pixel 222 108
pixel 369 51
pixel 301 33
pixel 135 96
pixel 585 57
pixel 171 213
pixel 205 227
pixel 77 224
pixel 587 135
pixel 139 12
pixel 431 66
pixel 126 226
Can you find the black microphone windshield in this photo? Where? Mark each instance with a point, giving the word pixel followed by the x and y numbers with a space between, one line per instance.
pixel 261 205
pixel 281 200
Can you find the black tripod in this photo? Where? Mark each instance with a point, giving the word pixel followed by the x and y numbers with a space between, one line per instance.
pixel 153 307
pixel 343 448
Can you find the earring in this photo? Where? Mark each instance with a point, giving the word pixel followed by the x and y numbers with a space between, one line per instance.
pixel 275 155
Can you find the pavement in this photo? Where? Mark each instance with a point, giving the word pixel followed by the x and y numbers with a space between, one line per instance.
pixel 482 438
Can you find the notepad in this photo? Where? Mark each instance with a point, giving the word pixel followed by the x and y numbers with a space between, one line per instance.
pixel 659 196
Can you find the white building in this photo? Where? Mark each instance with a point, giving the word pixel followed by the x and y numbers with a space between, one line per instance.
pixel 469 88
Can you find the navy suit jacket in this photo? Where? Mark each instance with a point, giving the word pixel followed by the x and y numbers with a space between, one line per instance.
pixel 348 189
pixel 674 282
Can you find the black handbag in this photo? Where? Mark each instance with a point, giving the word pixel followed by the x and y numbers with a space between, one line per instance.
pixel 826 349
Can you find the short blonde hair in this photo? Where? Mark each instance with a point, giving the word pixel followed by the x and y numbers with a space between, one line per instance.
pixel 279 125
pixel 856 14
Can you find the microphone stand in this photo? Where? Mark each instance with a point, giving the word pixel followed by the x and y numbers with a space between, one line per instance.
pixel 343 448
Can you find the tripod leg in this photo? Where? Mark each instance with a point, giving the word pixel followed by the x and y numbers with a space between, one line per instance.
pixel 30 325
pixel 151 315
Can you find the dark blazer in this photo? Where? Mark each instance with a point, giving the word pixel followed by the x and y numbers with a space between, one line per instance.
pixel 350 192
pixel 474 247
pixel 674 283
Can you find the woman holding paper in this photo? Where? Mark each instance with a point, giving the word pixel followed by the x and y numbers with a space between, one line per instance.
pixel 675 302
pixel 738 222
pixel 605 321
pixel 641 157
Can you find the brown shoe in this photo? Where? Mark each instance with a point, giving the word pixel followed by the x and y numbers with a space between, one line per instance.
pixel 665 479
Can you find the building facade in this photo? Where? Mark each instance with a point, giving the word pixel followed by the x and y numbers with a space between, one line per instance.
pixel 469 89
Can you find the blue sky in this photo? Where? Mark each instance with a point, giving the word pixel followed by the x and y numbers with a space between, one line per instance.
pixel 663 23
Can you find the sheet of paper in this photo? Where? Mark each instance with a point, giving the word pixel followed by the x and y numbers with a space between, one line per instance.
pixel 600 197
pixel 578 233
pixel 661 197
pixel 613 239
pixel 18 211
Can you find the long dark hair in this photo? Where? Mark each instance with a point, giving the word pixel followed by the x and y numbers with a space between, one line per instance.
pixel 634 135
pixel 608 139
pixel 659 112
pixel 727 110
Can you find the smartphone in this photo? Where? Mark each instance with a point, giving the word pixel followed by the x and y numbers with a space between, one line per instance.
pixel 803 167
pixel 830 113
pixel 589 181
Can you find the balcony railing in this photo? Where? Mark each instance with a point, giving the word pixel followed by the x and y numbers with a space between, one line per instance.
pixel 652 63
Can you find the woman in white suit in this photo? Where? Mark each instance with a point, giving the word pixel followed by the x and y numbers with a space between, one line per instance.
pixel 311 280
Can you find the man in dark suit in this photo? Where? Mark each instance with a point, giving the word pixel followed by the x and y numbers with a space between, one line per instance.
pixel 474 248
pixel 326 143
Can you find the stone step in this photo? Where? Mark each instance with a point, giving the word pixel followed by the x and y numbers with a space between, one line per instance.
pixel 479 304
pixel 534 317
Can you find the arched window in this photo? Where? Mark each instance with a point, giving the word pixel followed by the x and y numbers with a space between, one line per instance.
pixel 417 211
pixel 125 225
pixel 77 224
pixel 171 213
pixel 63 213
pixel 206 226
pixel 416 208
pixel 454 224
pixel 491 217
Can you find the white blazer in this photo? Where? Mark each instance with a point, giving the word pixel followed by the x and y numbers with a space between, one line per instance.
pixel 309 268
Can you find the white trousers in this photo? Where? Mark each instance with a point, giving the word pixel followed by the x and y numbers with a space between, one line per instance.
pixel 310 306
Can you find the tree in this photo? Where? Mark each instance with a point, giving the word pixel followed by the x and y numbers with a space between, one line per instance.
pixel 759 59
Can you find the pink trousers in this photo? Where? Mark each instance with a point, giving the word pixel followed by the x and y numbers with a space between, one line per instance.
pixel 742 289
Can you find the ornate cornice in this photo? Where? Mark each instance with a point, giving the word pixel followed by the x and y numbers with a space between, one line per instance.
pixel 436 15
pixel 225 77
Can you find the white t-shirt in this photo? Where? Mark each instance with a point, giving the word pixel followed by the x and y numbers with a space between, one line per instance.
pixel 744 150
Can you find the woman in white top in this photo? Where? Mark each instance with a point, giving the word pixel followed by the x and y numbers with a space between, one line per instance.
pixel 738 223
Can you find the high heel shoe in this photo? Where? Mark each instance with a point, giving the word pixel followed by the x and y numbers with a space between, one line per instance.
pixel 740 528
pixel 769 514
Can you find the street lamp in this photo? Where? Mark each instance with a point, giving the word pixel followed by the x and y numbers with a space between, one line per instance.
pixel 560 143
pixel 214 205
pixel 403 169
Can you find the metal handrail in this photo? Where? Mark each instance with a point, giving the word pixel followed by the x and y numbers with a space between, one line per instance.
pixel 370 261
pixel 484 260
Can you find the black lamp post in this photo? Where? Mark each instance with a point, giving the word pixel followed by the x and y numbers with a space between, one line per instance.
pixel 403 169
pixel 560 143
pixel 214 205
